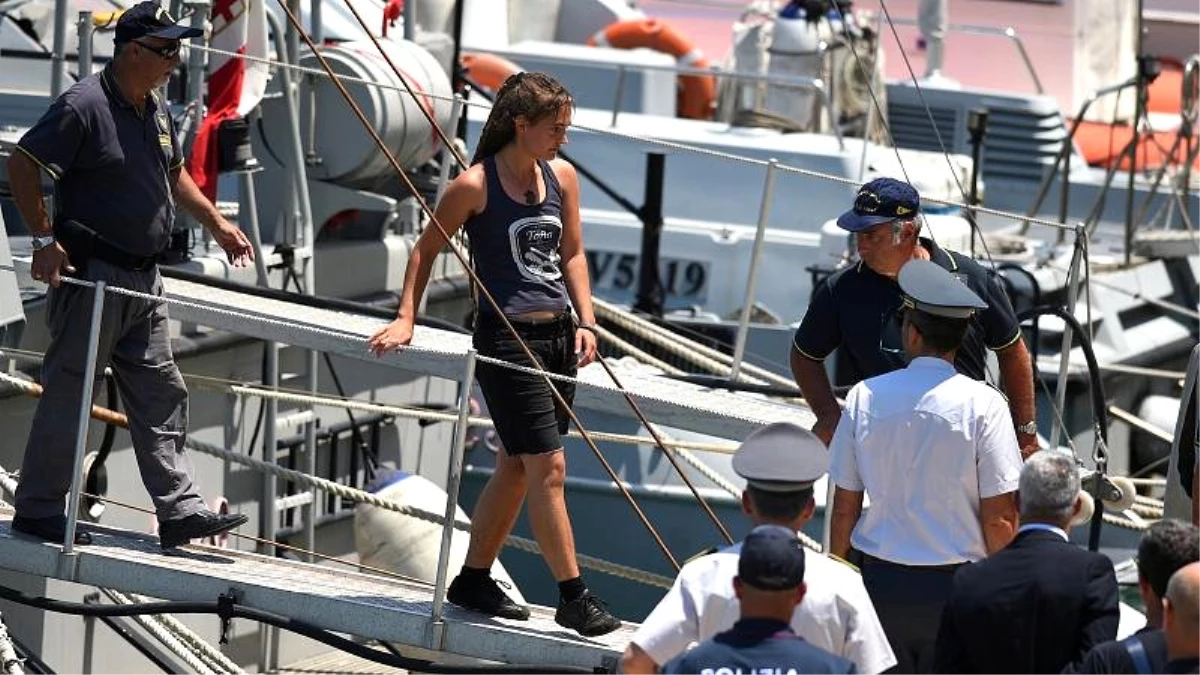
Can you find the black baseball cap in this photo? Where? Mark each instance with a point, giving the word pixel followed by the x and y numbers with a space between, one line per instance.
pixel 772 559
pixel 149 19
pixel 881 201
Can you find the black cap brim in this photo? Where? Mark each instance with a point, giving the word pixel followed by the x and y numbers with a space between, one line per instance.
pixel 853 222
pixel 176 33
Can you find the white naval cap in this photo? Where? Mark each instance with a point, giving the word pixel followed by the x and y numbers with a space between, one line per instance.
pixel 933 290
pixel 781 457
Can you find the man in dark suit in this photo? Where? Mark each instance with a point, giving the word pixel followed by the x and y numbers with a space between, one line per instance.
pixel 1039 604
pixel 1167 546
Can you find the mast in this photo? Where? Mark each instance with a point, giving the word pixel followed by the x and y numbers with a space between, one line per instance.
pixel 1143 76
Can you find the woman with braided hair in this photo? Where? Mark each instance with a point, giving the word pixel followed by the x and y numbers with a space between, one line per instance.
pixel 520 205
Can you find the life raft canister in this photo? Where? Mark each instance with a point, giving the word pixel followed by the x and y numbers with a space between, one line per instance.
pixel 697 93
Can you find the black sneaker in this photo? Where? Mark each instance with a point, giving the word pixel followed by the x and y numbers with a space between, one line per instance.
pixel 586 615
pixel 484 595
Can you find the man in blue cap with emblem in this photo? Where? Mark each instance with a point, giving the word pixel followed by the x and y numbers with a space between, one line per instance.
pixel 936 452
pixel 856 311
pixel 769 584
pixel 780 463
pixel 110 146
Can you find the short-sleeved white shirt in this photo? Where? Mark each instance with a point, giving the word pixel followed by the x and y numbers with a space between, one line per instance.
pixel 926 444
pixel 836 613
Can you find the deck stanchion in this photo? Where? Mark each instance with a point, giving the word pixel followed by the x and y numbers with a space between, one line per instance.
pixel 84 27
pixel 764 210
pixel 618 95
pixel 1072 285
pixel 453 480
pixel 85 412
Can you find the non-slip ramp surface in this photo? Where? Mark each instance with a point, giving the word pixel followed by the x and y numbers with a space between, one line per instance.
pixel 335 599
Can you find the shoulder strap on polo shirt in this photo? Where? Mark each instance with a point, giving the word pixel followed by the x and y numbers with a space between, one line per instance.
pixel 1137 653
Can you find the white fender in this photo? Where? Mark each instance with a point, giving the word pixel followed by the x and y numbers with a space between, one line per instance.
pixel 1086 511
pixel 409 546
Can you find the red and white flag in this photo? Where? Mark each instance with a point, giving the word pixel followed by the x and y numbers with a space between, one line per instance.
pixel 235 85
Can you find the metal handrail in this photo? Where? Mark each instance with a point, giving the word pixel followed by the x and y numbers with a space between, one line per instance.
pixel 815 83
pixel 1063 158
pixel 991 31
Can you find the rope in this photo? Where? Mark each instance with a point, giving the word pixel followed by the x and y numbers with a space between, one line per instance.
pixel 217 659
pixel 413 512
pixel 161 634
pixel 694 352
pixel 9 662
pixel 639 354
pixel 206 651
pixel 424 414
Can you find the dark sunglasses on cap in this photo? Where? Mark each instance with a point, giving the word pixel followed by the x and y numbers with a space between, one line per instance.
pixel 866 202
pixel 168 52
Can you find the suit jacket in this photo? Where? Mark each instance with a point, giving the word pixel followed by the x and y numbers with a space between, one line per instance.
pixel 1037 606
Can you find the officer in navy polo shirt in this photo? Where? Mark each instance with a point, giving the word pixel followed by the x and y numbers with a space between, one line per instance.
pixel 110 145
pixel 769 584
pixel 857 310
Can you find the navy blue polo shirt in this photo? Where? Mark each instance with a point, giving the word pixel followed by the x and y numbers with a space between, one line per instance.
pixel 112 165
pixel 757 646
pixel 858 310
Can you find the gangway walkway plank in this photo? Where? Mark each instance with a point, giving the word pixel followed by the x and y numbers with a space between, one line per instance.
pixel 368 606
pixel 442 353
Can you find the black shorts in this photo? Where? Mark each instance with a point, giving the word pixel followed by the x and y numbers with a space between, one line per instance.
pixel 528 419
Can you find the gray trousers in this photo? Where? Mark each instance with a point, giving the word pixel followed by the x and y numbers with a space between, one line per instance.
pixel 135 341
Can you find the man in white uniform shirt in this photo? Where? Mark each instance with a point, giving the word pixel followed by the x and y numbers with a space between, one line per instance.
pixel 780 463
pixel 937 454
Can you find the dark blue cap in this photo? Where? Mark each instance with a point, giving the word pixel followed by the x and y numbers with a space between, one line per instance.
pixel 934 290
pixel 781 457
pixel 149 19
pixel 772 559
pixel 881 201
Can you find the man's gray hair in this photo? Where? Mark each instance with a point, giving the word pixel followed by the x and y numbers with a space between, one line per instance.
pixel 1049 486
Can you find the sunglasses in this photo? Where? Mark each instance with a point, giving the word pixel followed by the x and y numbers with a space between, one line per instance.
pixel 891 330
pixel 866 202
pixel 168 52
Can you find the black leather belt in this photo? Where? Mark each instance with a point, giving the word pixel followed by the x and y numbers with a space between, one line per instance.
pixel 82 243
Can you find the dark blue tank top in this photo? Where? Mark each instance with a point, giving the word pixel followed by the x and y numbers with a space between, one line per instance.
pixel 515 247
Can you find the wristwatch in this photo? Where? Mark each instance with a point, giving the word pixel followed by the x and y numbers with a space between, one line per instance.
pixel 40 243
pixel 1029 427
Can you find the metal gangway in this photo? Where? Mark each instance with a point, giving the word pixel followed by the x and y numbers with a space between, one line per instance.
pixel 366 605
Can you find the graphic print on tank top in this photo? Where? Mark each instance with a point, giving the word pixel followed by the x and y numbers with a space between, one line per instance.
pixel 534 245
